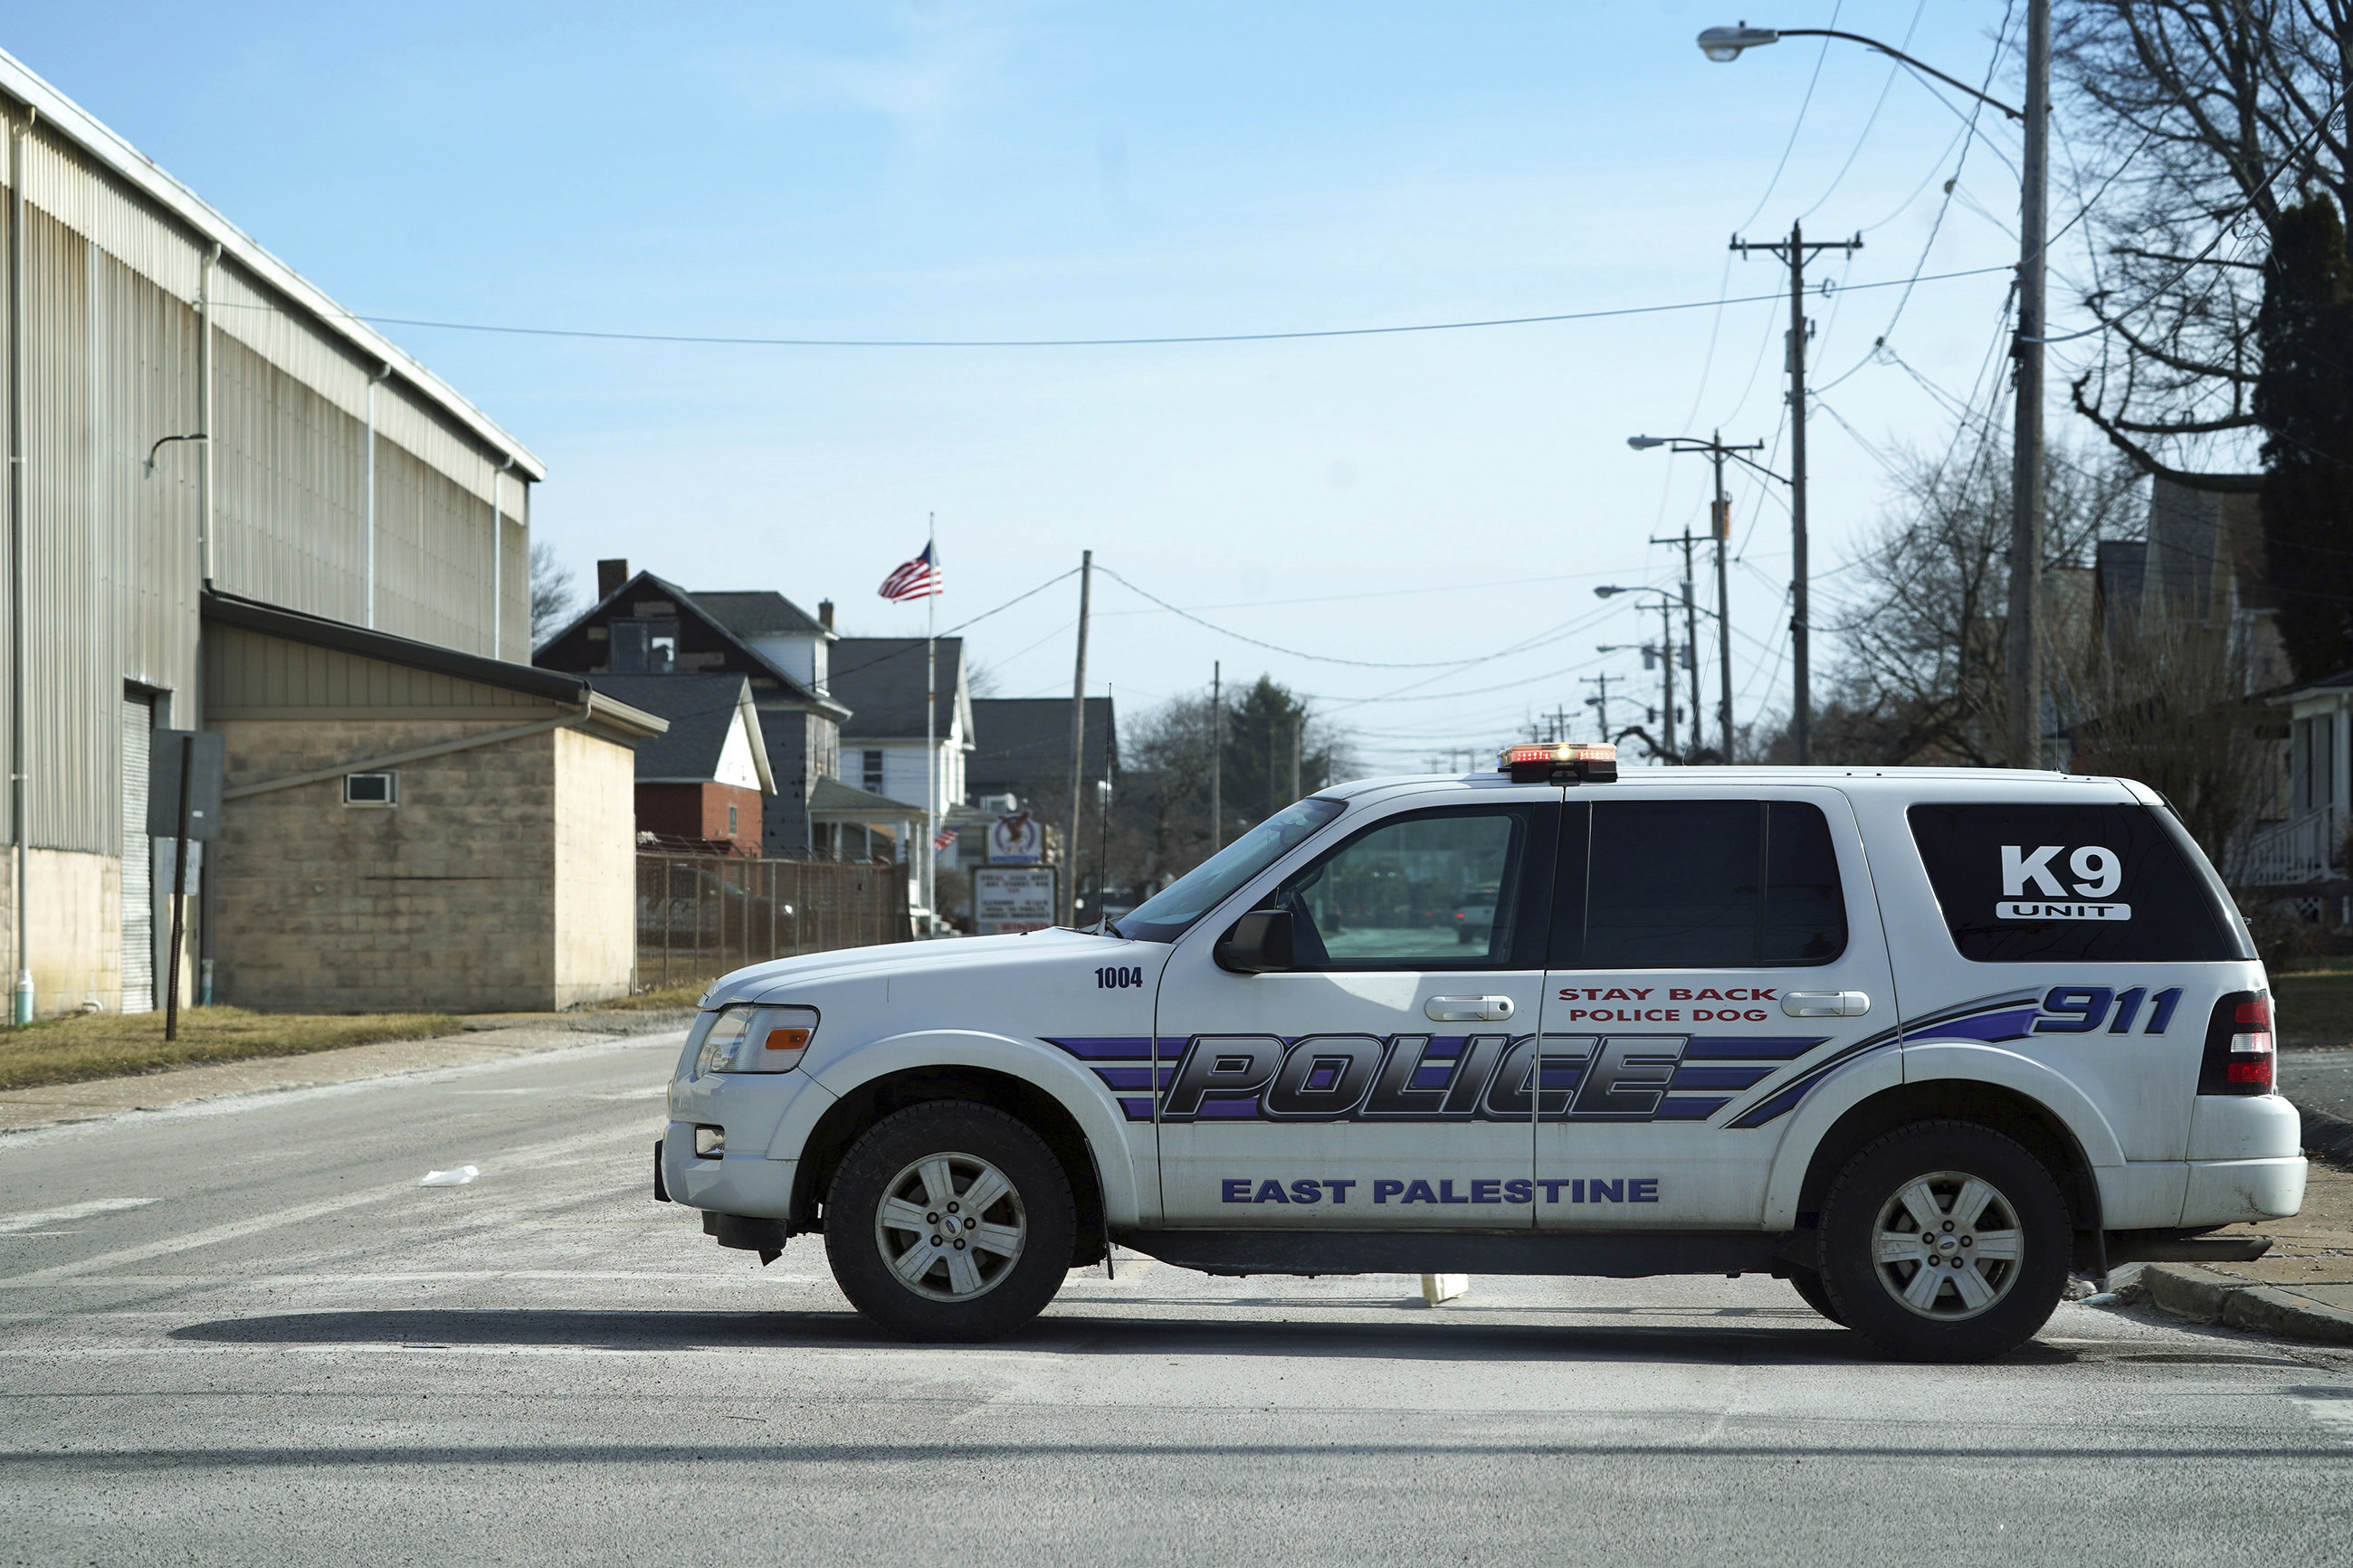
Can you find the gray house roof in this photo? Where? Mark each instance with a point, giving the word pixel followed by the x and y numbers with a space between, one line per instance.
pixel 760 611
pixel 569 648
pixel 701 710
pixel 882 678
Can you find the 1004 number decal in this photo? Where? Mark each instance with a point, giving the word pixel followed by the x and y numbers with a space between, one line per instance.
pixel 1116 978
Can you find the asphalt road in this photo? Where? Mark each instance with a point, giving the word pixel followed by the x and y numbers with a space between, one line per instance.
pixel 2318 1080
pixel 243 1334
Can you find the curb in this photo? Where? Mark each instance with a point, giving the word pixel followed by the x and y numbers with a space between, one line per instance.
pixel 2190 1292
pixel 2330 1137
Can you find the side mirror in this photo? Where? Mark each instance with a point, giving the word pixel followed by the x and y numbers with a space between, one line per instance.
pixel 1258 943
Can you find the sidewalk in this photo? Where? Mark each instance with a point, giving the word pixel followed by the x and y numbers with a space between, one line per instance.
pixel 484 1038
pixel 2301 1289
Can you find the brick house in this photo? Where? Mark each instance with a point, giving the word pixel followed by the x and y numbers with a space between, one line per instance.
pixel 701 783
pixel 642 625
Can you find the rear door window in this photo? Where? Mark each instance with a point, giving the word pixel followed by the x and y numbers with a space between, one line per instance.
pixel 2023 883
pixel 1703 884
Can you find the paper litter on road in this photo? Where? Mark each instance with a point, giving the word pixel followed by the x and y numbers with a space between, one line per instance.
pixel 457 1178
pixel 1437 1288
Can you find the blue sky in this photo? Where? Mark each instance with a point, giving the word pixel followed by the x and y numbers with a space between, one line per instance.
pixel 948 170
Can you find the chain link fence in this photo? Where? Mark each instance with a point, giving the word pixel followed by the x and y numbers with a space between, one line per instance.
pixel 701 915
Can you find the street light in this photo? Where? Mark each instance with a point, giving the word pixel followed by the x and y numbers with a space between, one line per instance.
pixel 1720 525
pixel 2025 648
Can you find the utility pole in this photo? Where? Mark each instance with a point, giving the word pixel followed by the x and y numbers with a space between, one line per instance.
pixel 1298 736
pixel 1078 743
pixel 1217 760
pixel 1690 628
pixel 1667 663
pixel 1601 703
pixel 1719 523
pixel 2024 639
pixel 1794 251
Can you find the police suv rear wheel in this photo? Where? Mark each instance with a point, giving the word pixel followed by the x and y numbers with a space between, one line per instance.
pixel 1945 1241
pixel 949 1221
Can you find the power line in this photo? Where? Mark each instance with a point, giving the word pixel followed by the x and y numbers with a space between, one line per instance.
pixel 1091 342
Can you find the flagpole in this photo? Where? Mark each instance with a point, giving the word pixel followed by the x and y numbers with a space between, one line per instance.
pixel 931 722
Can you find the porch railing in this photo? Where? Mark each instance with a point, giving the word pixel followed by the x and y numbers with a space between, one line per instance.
pixel 2306 848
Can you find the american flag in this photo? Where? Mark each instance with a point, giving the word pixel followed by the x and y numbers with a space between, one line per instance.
pixel 946 836
pixel 918 579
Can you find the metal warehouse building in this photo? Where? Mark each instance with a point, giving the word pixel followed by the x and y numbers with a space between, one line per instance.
pixel 197 436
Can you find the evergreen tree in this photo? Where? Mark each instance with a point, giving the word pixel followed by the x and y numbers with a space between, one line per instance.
pixel 2303 400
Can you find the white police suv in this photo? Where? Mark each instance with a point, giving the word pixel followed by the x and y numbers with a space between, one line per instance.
pixel 1920 1041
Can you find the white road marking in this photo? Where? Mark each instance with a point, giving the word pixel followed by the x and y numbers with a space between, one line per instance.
pixel 70 1212
pixel 520 1159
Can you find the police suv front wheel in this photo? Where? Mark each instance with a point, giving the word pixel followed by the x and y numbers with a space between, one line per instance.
pixel 949 1221
pixel 1945 1241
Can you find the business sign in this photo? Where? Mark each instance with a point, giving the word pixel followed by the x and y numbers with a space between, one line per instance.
pixel 1017 841
pixel 1010 899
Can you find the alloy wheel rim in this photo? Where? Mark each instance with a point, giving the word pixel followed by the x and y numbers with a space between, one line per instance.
pixel 950 1226
pixel 1947 1246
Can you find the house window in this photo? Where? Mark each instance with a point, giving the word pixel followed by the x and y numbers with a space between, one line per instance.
pixel 731 822
pixel 2312 758
pixel 371 789
pixel 645 646
pixel 870 773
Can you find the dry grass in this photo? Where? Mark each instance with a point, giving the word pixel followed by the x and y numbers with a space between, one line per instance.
pixel 113 1045
pixel 661 999
pixel 2315 1008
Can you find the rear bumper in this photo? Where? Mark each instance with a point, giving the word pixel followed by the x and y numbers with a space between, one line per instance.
pixel 2226 1192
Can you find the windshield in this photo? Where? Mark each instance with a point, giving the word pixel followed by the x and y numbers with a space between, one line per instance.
pixel 1167 914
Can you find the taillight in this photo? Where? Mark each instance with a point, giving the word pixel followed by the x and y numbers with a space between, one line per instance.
pixel 2239 1050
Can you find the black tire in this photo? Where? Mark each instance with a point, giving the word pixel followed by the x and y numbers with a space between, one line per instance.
pixel 1006 1258
pixel 1951 1299
pixel 1808 1284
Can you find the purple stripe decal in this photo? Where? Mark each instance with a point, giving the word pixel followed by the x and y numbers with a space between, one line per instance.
pixel 1217 1108
pixel 1125 1078
pixel 1751 1048
pixel 1137 1109
pixel 1991 1027
pixel 1107 1048
pixel 1678 1107
pixel 1721 1078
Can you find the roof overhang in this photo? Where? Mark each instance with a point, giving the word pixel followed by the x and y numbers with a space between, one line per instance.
pixel 618 720
pixel 208 225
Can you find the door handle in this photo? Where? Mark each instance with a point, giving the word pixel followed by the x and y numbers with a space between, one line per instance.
pixel 1468 1009
pixel 1825 1003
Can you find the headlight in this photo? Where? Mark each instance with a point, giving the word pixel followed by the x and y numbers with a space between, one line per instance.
pixel 750 1039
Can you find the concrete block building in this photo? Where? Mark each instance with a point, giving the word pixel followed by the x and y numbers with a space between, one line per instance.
pixel 198 435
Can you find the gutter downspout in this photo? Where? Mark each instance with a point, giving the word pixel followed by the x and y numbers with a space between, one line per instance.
pixel 368 575
pixel 204 490
pixel 206 568
pixel 498 580
pixel 21 1011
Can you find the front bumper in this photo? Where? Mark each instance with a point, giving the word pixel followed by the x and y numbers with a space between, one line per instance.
pixel 728 1182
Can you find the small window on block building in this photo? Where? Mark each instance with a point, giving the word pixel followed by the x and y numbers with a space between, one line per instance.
pixel 371 789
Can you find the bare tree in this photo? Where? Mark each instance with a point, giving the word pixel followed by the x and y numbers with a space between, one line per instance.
pixel 1919 674
pixel 2208 121
pixel 2163 698
pixel 551 594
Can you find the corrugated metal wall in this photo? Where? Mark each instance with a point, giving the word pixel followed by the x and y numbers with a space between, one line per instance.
pixel 249 674
pixel 112 364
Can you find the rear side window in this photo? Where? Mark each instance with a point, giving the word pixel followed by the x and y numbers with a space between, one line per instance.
pixel 1701 884
pixel 2033 884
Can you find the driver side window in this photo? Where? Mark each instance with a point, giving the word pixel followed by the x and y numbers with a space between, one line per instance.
pixel 1437 890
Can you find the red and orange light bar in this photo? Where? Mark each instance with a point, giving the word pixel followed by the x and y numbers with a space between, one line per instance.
pixel 1567 761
